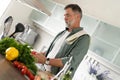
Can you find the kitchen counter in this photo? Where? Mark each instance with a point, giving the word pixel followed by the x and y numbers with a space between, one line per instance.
pixel 8 71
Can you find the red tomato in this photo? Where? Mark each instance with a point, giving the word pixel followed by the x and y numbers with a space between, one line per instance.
pixel 19 67
pixel 30 75
pixel 34 53
pixel 23 71
pixel 16 63
pixel 24 67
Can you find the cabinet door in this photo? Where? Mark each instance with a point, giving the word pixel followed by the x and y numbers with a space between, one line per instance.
pixel 103 49
pixel 108 33
pixel 36 4
pixel 89 24
pixel 54 23
pixel 117 59
pixel 106 42
pixel 38 17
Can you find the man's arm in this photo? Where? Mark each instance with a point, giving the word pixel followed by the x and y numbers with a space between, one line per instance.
pixel 56 62
pixel 78 53
pixel 40 58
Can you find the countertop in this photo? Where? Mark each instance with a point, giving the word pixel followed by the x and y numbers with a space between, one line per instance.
pixel 8 71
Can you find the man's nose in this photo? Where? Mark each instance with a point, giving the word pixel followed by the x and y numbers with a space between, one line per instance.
pixel 65 18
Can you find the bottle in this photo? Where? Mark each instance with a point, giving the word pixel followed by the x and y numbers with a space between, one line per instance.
pixel 67 75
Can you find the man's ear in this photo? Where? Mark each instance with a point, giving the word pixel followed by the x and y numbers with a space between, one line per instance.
pixel 77 15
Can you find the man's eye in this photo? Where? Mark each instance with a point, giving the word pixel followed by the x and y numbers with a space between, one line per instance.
pixel 68 15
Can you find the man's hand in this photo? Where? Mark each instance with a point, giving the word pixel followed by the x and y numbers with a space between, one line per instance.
pixel 34 52
pixel 40 58
pixel 37 78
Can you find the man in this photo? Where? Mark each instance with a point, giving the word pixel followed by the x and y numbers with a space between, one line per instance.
pixel 60 49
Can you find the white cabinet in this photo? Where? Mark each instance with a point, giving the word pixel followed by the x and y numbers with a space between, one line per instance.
pixel 117 58
pixel 52 24
pixel 102 48
pixel 39 5
pixel 90 24
pixel 105 42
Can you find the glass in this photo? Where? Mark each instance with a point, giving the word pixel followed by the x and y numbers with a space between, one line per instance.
pixel 103 49
pixel 54 25
pixel 117 60
pixel 108 33
pixel 48 4
pixel 58 12
pixel 89 24
pixel 38 17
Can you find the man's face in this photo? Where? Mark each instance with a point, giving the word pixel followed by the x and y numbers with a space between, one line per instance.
pixel 70 17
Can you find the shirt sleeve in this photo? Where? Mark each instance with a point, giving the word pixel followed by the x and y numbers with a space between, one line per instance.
pixel 65 59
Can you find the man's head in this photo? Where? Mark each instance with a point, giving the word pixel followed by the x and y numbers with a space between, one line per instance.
pixel 73 15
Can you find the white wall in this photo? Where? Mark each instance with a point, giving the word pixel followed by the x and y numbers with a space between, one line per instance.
pixel 19 12
pixel 3 6
pixel 105 10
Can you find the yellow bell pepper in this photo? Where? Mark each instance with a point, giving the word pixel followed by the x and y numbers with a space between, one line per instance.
pixel 11 53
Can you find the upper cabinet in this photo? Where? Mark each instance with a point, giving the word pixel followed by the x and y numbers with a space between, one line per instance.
pixel 90 24
pixel 64 2
pixel 105 42
pixel 37 5
pixel 53 23
pixel 104 39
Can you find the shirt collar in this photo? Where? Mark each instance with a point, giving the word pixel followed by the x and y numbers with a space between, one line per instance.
pixel 76 29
